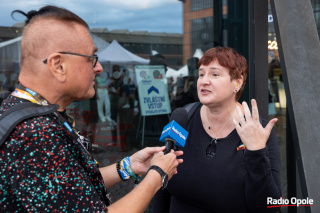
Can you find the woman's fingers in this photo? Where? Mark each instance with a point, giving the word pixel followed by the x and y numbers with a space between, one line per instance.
pixel 251 132
pixel 270 125
pixel 247 112
pixel 251 116
pixel 255 111
pixel 240 116
pixel 236 124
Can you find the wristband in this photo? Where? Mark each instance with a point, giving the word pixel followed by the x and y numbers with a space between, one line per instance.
pixel 123 164
pixel 129 170
pixel 118 170
pixel 124 169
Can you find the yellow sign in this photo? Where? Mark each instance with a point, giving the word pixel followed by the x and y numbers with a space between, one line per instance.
pixel 272 45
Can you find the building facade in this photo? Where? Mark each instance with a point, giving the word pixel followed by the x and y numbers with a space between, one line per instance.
pixel 142 43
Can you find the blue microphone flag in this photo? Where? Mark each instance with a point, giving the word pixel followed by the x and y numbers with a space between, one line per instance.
pixel 173 131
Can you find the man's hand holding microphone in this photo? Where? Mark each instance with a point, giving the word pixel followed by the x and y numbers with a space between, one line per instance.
pixel 158 163
pixel 164 159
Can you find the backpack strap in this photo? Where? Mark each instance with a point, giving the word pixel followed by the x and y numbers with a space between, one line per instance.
pixel 191 108
pixel 20 112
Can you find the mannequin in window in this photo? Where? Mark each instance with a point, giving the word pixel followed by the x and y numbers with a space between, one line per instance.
pixel 129 89
pixel 103 101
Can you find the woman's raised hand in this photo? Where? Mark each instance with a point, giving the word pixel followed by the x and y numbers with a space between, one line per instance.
pixel 249 128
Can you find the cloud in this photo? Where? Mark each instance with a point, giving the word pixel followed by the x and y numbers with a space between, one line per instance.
pixel 149 15
pixel 137 5
pixel 157 19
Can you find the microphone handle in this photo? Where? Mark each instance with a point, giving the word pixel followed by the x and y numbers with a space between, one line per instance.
pixel 169 146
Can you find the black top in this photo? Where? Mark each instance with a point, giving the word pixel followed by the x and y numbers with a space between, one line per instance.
pixel 230 181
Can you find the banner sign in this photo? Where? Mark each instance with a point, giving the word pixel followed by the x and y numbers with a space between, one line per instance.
pixel 152 89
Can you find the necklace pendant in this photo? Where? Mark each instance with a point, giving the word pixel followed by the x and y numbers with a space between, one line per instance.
pixel 214 141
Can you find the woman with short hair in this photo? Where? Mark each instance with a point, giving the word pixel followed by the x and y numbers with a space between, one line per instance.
pixel 231 158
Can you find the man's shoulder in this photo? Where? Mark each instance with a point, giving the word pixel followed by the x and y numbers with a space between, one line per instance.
pixel 34 127
pixel 9 102
pixel 31 128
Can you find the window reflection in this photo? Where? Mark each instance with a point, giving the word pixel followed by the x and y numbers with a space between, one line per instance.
pixel 316 12
pixel 112 119
pixel 277 99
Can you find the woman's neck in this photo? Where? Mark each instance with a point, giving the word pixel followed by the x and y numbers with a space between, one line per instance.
pixel 218 120
pixel 218 115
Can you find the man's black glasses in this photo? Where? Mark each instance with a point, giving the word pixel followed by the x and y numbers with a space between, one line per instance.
pixel 94 57
pixel 211 149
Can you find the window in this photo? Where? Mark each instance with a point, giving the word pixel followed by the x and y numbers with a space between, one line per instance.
pixel 316 12
pixel 201 33
pixel 201 4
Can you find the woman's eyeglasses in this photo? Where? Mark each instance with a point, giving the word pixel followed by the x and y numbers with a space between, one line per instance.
pixel 211 149
pixel 94 57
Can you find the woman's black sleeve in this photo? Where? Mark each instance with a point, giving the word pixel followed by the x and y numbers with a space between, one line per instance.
pixel 263 175
pixel 161 202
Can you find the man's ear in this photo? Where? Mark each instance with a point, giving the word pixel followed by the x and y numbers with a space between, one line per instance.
pixel 56 67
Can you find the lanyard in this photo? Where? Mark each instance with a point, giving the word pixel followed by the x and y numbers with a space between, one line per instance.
pixel 25 93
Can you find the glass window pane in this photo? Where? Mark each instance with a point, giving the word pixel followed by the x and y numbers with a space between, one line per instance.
pixel 164 35
pixel 277 100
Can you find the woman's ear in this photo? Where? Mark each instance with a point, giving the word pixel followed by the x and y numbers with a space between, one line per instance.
pixel 239 83
pixel 56 67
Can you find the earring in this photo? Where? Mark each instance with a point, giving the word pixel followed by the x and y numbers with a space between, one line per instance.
pixel 236 90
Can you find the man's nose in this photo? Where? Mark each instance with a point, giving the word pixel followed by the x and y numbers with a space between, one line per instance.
pixel 98 68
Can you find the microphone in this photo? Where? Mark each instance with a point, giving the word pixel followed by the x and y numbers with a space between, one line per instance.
pixel 174 133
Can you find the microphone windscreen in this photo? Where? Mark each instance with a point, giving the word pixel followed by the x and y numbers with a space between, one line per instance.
pixel 180 116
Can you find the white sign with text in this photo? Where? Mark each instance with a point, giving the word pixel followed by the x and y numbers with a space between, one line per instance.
pixel 152 89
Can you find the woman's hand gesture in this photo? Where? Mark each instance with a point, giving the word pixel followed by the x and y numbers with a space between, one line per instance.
pixel 249 128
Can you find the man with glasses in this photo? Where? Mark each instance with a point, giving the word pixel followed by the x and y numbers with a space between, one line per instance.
pixel 45 166
pixel 94 57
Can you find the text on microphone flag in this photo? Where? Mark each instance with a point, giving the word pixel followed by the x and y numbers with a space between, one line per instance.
pixel 175 132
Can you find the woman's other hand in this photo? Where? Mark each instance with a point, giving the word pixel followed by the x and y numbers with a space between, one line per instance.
pixel 249 128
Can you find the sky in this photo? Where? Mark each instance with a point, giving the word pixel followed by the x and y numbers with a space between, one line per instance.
pixel 134 15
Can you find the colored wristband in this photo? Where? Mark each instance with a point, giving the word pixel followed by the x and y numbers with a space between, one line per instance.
pixel 124 169
pixel 129 170
pixel 118 170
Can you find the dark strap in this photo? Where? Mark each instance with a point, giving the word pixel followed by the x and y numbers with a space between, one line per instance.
pixel 191 108
pixel 16 114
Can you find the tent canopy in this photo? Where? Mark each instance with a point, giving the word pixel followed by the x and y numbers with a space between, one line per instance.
pixel 99 42
pixel 198 53
pixel 171 72
pixel 183 71
pixel 116 54
pixel 10 55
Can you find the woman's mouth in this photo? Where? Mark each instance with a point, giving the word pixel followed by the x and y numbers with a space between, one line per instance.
pixel 205 91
